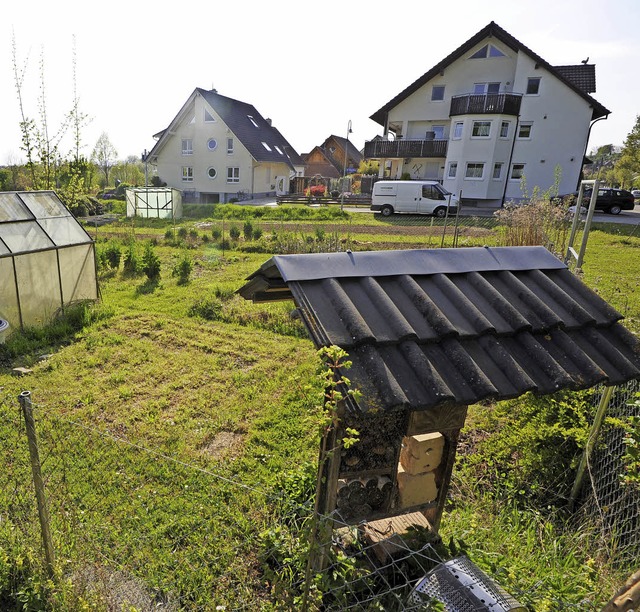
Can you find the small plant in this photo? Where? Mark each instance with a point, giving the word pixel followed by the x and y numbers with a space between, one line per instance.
pixel 193 234
pixel 151 263
pixel 183 269
pixel 168 235
pixel 113 255
pixel 247 230
pixel 257 233
pixel 132 262
pixel 182 233
pixel 234 232
pixel 216 234
pixel 631 456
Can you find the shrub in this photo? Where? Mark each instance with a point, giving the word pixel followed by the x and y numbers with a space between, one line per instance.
pixel 193 234
pixel 112 255
pixel 151 263
pixel 234 232
pixel 247 230
pixel 257 233
pixel 183 269
pixel 132 263
pixel 216 233
pixel 182 232
pixel 168 235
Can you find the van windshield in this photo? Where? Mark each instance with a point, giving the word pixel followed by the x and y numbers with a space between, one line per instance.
pixel 442 190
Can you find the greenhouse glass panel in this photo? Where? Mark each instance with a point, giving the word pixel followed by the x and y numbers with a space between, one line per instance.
pixel 64 231
pixel 44 204
pixel 12 209
pixel 9 310
pixel 78 273
pixel 38 287
pixel 24 236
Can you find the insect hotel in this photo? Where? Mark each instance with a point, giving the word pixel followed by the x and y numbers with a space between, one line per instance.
pixel 430 332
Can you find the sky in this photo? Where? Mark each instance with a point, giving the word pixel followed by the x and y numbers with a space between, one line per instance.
pixel 313 69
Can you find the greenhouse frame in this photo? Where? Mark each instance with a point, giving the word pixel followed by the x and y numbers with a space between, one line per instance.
pixel 154 202
pixel 47 259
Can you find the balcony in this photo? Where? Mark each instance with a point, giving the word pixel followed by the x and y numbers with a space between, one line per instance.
pixel 384 149
pixel 486 104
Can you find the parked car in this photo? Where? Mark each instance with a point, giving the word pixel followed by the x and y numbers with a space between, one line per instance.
pixel 635 193
pixel 609 200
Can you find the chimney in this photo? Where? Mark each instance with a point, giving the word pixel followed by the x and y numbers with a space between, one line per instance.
pixel 268 121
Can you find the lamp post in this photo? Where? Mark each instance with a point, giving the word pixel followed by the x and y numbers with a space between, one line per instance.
pixel 344 174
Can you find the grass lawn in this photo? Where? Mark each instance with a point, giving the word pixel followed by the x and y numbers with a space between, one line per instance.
pixel 175 414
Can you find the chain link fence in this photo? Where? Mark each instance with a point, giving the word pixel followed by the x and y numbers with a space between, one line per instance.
pixel 610 503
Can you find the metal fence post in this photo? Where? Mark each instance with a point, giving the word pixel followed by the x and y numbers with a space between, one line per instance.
pixel 25 403
pixel 605 398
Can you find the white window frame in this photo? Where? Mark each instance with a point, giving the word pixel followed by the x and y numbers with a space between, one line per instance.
pixel 504 129
pixel 477 166
pixel 453 170
pixel 187 174
pixel 437 88
pixel 458 127
pixel 477 123
pixel 277 148
pixel 215 144
pixel 187 146
pixel 530 80
pixel 208 117
pixel 229 146
pixel 525 124
pixel 521 167
pixel 253 121
pixel 266 146
pixel 497 166
pixel 233 174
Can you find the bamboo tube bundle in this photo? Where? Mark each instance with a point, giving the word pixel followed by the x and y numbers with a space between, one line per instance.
pixel 361 497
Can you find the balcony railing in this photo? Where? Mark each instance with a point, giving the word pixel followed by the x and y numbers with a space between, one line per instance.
pixel 405 148
pixel 485 104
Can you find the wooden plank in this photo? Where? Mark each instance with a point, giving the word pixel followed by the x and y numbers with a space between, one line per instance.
pixel 393 536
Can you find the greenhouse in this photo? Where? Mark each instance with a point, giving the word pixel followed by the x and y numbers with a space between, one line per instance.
pixel 154 202
pixel 47 259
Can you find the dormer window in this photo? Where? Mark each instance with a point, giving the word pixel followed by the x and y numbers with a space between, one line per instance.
pixel 252 120
pixel 487 51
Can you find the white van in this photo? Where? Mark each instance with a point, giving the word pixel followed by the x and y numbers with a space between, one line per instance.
pixel 418 197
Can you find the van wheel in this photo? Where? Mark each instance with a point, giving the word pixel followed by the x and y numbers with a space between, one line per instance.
pixel 386 210
pixel 440 212
pixel 615 209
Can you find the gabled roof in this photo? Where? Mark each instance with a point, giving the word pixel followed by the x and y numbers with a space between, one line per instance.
pixel 237 117
pixel 352 150
pixel 441 327
pixel 490 30
pixel 327 168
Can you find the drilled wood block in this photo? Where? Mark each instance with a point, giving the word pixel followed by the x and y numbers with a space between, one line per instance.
pixel 416 489
pixel 421 453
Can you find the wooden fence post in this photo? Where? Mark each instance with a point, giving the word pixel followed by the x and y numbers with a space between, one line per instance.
pixel 25 403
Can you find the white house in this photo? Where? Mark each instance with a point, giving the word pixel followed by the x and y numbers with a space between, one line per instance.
pixel 492 121
pixel 217 148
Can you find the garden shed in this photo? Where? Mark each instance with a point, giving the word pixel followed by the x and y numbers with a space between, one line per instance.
pixel 430 332
pixel 154 203
pixel 47 259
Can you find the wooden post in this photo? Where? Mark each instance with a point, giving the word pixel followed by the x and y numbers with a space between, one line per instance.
pixel 25 402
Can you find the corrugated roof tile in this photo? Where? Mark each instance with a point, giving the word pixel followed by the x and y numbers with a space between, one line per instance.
pixel 429 329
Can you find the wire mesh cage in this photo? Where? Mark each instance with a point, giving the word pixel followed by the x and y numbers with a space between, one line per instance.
pixel 462 587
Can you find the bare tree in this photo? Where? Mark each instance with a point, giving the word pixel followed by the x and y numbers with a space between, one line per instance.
pixel 104 155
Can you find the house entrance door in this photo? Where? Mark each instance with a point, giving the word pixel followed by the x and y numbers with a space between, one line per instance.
pixel 281 185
